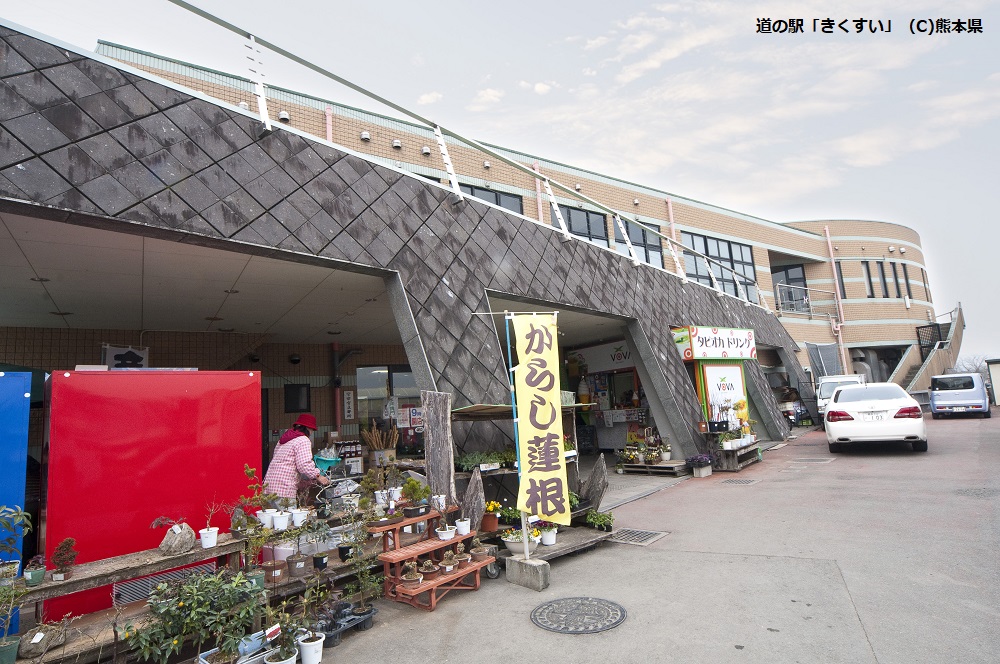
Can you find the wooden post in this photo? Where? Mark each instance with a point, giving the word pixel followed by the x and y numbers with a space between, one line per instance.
pixel 438 445
pixel 595 486
pixel 474 502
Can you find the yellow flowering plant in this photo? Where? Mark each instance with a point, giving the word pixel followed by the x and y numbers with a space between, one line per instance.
pixel 493 507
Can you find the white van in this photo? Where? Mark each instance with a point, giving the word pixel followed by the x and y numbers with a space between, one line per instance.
pixel 827 385
pixel 959 393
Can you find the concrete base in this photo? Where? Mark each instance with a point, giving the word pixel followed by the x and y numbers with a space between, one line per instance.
pixel 531 573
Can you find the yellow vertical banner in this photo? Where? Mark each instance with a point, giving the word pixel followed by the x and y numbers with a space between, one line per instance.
pixel 543 490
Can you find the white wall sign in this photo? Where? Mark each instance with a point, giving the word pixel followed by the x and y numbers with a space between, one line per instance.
pixel 717 343
pixel 724 386
pixel 607 357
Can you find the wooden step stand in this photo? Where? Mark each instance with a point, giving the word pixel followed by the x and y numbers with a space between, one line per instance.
pixel 436 588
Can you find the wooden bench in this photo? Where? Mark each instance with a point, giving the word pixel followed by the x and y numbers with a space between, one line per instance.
pixel 441 585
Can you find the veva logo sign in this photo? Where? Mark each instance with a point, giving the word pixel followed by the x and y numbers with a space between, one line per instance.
pixel 619 354
pixel 725 385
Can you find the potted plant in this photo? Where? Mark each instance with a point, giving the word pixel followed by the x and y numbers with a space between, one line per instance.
pixel 448 563
pixel 640 452
pixel 63 558
pixel 411 578
pixel 310 638
pixel 463 525
pixel 284 647
pixel 298 563
pixel 510 515
pixel 381 443
pixel 513 540
pixel 10 601
pixel 367 583
pixel 491 520
pixel 210 534
pixel 701 464
pixel 443 530
pixel 429 569
pixel 217 609
pixel 34 571
pixel 180 537
pixel 478 551
pixel 256 537
pixel 15 523
pixel 600 520
pixel 415 493
pixel 549 531
pixel 463 558
pixel 665 452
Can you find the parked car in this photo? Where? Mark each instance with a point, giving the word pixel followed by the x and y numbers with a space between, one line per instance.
pixel 959 393
pixel 827 385
pixel 875 412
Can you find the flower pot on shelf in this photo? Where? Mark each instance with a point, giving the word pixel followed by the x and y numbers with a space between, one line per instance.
pixel 209 537
pixel 664 455
pixel 299 515
pixel 321 559
pixel 344 552
pixel 463 526
pixel 446 533
pixel 274 658
pixel 464 560
pixel 8 649
pixel 33 577
pixel 490 523
pixel 274 570
pixel 429 573
pixel 299 564
pixel 517 548
pixel 63 575
pixel 718 426
pixel 279 520
pixel 412 583
pixel 256 577
pixel 415 510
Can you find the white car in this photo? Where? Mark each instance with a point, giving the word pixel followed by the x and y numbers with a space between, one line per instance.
pixel 875 412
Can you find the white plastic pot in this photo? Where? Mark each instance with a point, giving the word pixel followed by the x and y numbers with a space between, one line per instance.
pixel 382 498
pixel 280 520
pixel 279 551
pixel 463 526
pixel 395 493
pixel 298 516
pixel 209 537
pixel 266 518
pixel 446 533
pixel 273 658
pixel 311 652
pixel 548 537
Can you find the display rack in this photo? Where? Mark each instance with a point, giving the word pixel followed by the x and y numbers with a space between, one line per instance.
pixel 735 460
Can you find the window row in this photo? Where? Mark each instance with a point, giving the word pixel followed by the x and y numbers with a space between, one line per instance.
pixel 733 255
pixel 877 280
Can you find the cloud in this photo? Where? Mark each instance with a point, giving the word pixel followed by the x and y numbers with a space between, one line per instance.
pixel 674 49
pixel 589 71
pixel 484 99
pixel 542 88
pixel 595 43
pixel 429 98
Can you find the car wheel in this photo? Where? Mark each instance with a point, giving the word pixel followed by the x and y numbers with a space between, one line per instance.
pixel 834 447
pixel 936 416
pixel 987 414
pixel 920 446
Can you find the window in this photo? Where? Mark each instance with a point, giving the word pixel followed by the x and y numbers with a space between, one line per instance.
pixel 895 278
pixel 881 278
pixel 840 279
pixel 868 278
pixel 738 257
pixel 647 245
pixel 506 201
pixel 589 225
pixel 906 280
pixel 790 286
pixel 927 289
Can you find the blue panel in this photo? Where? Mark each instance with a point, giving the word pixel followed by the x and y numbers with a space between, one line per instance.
pixel 15 399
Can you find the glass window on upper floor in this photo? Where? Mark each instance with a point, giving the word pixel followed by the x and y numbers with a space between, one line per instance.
pixel 906 280
pixel 591 226
pixel 735 256
pixel 790 287
pixel 510 202
pixel 647 245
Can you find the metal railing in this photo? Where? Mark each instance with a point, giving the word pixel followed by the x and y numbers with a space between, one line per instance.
pixel 809 302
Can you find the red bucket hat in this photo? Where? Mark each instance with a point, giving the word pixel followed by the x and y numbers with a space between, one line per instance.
pixel 308 420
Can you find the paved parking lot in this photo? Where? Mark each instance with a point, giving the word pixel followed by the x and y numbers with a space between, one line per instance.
pixel 877 554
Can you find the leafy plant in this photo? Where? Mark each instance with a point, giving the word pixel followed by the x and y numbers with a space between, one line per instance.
pixel 699 460
pixel 546 526
pixel 600 519
pixel 367 583
pixel 218 609
pixel 493 507
pixel 415 491
pixel 509 514
pixel 37 562
pixel 574 500
pixel 284 643
pixel 10 601
pixel 64 555
pixel 515 534
pixel 166 522
pixel 14 524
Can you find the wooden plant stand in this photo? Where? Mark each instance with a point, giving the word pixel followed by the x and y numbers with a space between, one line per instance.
pixel 735 460
pixel 395 556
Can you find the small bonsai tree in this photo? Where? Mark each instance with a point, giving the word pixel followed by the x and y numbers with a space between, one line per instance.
pixel 414 491
pixel 65 555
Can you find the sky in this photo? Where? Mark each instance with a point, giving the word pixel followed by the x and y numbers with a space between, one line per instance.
pixel 687 97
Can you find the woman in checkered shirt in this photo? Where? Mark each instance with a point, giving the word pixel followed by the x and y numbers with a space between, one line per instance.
pixel 293 459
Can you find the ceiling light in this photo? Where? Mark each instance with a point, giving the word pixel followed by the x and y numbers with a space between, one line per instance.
pixel 902 250
pixel 333 332
pixel 891 248
pixel 40 280
pixel 212 318
pixel 371 299
pixel 245 106
pixel 227 329
pixel 61 313
pixel 231 291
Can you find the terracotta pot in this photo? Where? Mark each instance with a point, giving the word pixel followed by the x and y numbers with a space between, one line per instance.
pixel 490 523
pixel 274 571
pixel 464 560
pixel 412 583
pixel 299 564
pixel 480 555
pixel 428 575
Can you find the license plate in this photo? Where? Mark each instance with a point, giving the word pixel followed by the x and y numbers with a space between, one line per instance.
pixel 959 409
pixel 873 417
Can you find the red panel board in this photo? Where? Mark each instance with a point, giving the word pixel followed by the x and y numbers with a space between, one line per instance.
pixel 127 447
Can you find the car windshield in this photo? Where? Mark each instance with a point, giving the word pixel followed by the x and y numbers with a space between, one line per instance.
pixel 941 383
pixel 826 390
pixel 870 393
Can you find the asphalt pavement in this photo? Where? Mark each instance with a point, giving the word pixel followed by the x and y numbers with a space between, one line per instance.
pixel 877 554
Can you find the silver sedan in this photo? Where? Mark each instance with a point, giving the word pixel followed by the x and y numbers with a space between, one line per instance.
pixel 876 412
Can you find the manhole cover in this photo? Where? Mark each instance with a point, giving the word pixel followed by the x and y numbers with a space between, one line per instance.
pixel 578 615
pixel 739 482
pixel 813 460
pixel 637 537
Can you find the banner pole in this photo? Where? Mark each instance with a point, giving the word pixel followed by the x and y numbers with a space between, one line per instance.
pixel 517 448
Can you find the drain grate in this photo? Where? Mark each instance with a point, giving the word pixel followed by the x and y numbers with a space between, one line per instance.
pixel 743 482
pixel 636 537
pixel 578 615
pixel 813 460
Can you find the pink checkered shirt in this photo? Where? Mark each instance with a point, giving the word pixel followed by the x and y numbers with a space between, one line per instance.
pixel 290 460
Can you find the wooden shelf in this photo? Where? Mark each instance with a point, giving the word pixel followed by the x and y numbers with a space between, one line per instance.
pixel 129 566
pixel 735 460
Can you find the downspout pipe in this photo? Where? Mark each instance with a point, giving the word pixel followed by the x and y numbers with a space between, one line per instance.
pixel 837 327
pixel 538 193
pixel 329 123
